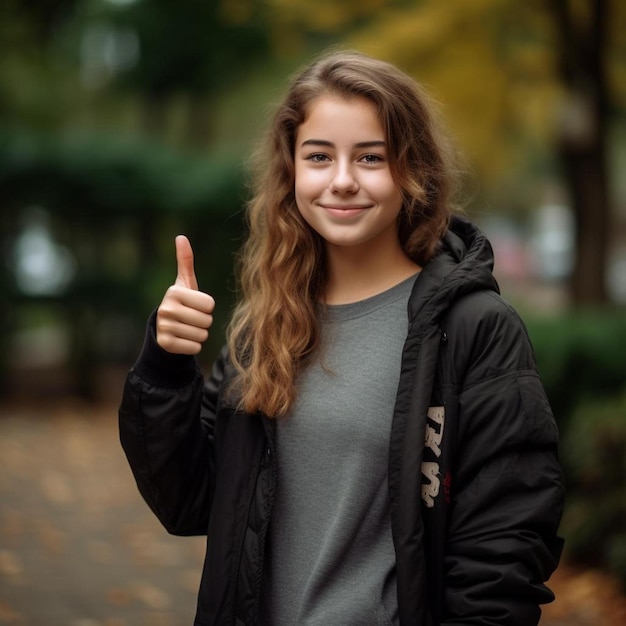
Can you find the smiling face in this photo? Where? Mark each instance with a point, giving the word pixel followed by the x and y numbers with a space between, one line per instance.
pixel 343 184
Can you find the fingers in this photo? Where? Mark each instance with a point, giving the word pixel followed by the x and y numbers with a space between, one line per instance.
pixel 185 314
pixel 183 320
pixel 178 338
pixel 196 300
pixel 187 306
pixel 186 276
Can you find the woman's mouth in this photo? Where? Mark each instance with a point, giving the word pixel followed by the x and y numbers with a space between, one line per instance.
pixel 344 211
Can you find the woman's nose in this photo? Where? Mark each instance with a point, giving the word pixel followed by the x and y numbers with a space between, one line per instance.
pixel 344 180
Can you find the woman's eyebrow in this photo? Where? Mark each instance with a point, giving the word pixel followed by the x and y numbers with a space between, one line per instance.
pixel 318 142
pixel 329 144
pixel 370 144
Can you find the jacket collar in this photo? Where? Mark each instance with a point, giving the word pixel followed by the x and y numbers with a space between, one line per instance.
pixel 463 264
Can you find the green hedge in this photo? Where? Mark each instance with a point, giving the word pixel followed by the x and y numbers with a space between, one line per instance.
pixel 103 177
pixel 580 356
pixel 582 360
pixel 593 452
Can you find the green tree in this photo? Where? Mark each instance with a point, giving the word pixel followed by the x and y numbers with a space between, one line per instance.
pixel 35 88
pixel 191 48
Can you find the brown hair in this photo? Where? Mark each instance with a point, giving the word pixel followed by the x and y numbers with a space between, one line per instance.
pixel 282 266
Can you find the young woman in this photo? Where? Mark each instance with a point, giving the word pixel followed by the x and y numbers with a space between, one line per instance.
pixel 374 445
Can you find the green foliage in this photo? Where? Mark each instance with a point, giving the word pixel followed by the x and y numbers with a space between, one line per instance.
pixel 582 363
pixel 113 177
pixel 35 88
pixel 594 457
pixel 580 356
pixel 191 46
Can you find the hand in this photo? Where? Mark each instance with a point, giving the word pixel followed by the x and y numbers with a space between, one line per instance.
pixel 185 314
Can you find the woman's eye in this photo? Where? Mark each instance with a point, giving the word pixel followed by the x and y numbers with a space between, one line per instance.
pixel 317 158
pixel 371 158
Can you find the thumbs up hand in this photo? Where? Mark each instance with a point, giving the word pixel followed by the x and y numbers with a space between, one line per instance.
pixel 185 314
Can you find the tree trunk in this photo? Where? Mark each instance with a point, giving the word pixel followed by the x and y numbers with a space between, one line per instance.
pixel 583 144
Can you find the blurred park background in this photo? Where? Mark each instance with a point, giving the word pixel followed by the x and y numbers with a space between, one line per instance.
pixel 126 122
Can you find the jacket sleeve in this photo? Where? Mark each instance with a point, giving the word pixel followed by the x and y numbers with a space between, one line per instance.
pixel 507 490
pixel 166 421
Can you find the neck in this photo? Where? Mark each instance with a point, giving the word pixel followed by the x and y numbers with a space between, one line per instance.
pixel 356 273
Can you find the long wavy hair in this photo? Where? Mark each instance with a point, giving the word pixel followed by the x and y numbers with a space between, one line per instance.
pixel 282 265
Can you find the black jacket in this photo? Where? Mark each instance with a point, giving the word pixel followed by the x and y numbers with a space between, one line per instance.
pixel 475 487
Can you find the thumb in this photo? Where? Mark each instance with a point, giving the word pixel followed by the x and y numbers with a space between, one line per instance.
pixel 186 276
